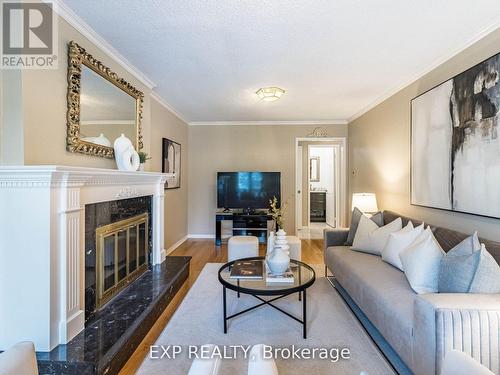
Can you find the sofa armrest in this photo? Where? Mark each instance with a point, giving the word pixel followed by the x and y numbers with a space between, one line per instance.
pixel 466 322
pixel 334 237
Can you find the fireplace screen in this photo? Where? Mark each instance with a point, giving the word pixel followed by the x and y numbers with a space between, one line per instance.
pixel 122 255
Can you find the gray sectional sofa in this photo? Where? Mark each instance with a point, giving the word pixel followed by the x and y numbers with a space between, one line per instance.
pixel 415 331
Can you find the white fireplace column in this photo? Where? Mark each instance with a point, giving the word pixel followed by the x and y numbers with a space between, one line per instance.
pixel 42 242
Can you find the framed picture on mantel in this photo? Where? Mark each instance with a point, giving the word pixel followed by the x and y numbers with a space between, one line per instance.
pixel 171 163
pixel 455 143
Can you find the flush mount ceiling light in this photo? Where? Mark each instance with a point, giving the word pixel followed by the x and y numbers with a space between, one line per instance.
pixel 270 94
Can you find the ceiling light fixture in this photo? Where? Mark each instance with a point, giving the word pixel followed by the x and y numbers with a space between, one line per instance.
pixel 270 94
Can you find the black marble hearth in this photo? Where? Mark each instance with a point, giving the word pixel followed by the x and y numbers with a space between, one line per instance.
pixel 112 335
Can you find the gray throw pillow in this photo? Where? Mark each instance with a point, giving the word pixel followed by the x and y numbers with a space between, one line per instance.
pixel 487 277
pixel 468 246
pixel 459 266
pixel 469 268
pixel 356 215
pixel 457 272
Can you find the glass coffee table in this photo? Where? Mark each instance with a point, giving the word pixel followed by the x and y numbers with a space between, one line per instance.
pixel 304 277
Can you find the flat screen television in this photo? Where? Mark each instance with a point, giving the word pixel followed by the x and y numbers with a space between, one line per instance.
pixel 247 189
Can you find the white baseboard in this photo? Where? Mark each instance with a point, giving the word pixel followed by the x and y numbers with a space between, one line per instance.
pixel 176 245
pixel 72 326
pixel 196 235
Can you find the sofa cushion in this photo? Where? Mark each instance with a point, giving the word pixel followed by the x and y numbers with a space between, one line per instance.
pixel 421 262
pixel 459 266
pixel 356 215
pixel 398 241
pixel 381 292
pixel 487 276
pixel 370 238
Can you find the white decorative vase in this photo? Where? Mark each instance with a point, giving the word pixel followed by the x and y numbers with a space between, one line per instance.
pixel 270 242
pixel 280 240
pixel 278 260
pixel 141 167
pixel 127 159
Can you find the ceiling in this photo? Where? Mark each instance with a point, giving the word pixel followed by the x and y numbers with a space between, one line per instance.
pixel 334 58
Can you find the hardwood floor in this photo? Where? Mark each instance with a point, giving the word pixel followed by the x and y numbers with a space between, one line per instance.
pixel 203 252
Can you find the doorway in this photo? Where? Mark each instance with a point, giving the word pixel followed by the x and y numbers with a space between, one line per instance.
pixel 320 185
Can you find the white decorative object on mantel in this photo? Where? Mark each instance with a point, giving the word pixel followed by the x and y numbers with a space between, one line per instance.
pixel 42 243
pixel 127 159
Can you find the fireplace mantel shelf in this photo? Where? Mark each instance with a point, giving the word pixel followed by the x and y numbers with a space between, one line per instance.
pixel 54 175
pixel 42 234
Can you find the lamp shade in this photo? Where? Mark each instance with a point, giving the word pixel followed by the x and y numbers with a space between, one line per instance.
pixel 365 202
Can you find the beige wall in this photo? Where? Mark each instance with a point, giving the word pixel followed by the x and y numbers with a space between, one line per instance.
pixel 165 125
pixel 379 153
pixel 247 148
pixel 44 107
pixel 43 100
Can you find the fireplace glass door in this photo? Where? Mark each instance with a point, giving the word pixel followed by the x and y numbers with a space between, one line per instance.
pixel 122 255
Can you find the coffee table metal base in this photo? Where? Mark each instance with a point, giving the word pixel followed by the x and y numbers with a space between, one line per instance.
pixel 269 303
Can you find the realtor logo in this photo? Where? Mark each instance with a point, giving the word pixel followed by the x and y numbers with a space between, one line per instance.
pixel 28 35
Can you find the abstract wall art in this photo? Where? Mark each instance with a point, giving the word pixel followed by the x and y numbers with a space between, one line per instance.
pixel 455 144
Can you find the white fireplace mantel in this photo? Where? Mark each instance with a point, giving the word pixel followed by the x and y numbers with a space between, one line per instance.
pixel 42 224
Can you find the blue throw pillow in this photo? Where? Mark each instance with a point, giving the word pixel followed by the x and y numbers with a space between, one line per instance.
pixel 487 277
pixel 459 266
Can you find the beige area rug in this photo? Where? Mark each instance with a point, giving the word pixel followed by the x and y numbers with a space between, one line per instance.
pixel 331 324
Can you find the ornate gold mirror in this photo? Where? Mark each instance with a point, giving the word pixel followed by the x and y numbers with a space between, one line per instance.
pixel 101 106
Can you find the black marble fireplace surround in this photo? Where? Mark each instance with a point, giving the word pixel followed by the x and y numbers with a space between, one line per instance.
pixel 113 332
pixel 103 213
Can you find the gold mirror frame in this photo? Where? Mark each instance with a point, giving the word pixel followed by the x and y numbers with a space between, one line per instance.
pixel 76 57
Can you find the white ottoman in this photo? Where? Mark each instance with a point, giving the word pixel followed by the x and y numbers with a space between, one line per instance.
pixel 295 247
pixel 242 247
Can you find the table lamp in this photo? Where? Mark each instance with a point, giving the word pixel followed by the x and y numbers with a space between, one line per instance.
pixel 365 202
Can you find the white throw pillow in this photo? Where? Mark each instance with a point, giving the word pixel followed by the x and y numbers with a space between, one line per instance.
pixel 371 238
pixel 398 242
pixel 421 263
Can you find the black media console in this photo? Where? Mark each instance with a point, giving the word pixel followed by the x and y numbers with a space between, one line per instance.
pixel 258 225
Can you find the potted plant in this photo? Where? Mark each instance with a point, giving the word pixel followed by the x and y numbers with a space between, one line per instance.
pixel 143 157
pixel 277 213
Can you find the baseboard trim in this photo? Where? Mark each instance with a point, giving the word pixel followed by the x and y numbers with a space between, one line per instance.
pixel 176 245
pixel 196 235
pixel 72 327
pixel 386 349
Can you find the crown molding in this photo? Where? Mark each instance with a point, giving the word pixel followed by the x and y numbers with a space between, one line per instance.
pixel 481 34
pixel 81 26
pixel 164 103
pixel 247 123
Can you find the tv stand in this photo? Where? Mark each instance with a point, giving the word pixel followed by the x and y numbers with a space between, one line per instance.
pixel 243 224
